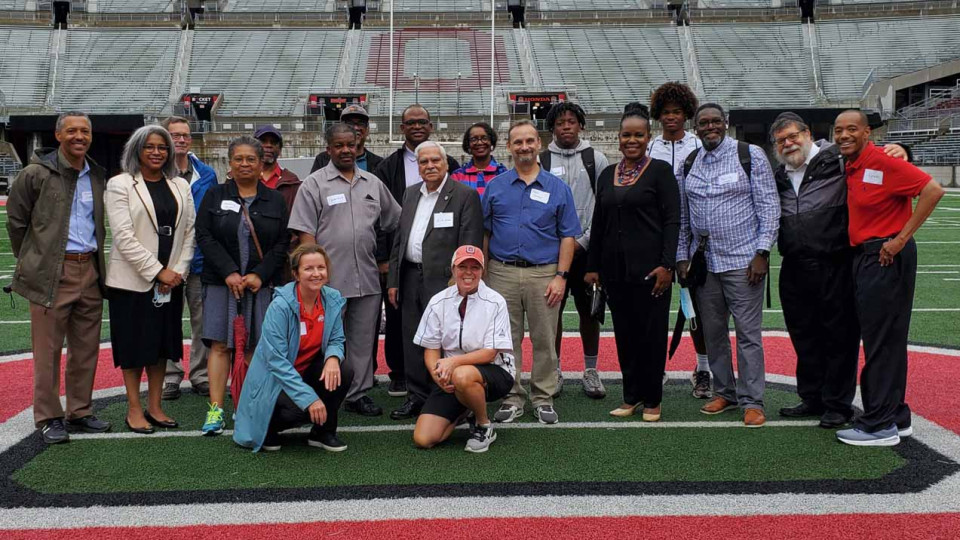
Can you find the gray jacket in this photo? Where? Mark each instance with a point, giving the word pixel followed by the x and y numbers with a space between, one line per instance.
pixel 568 165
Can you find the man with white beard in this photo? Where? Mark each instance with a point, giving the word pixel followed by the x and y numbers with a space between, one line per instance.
pixel 816 282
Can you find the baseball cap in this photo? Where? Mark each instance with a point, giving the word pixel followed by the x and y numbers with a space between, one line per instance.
pixel 464 253
pixel 354 110
pixel 265 129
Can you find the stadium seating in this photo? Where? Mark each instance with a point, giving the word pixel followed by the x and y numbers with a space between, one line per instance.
pixel 942 149
pixel 116 70
pixel 138 6
pixel 749 64
pixel 24 66
pixel 263 72
pixel 849 49
pixel 608 66
pixel 270 6
pixel 13 5
pixel 437 5
pixel 581 5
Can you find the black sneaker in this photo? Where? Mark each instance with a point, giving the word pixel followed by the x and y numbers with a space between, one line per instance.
pixel 271 443
pixel 701 384
pixel 88 424
pixel 54 432
pixel 397 389
pixel 171 391
pixel 363 406
pixel 327 441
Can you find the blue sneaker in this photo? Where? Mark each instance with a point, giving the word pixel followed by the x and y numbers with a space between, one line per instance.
pixel 214 423
pixel 857 437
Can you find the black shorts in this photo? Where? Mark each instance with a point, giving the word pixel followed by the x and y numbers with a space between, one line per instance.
pixel 439 403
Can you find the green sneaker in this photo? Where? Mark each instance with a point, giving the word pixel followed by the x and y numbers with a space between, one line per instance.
pixel 214 423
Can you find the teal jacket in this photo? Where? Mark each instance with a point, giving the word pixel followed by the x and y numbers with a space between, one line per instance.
pixel 271 369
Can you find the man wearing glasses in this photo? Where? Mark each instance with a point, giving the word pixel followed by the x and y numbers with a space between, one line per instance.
pixel 399 171
pixel 356 117
pixel 200 176
pixel 728 193
pixel 816 280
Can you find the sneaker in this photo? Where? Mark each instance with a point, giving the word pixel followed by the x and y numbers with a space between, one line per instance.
pixel 171 391
pixel 397 389
pixel 718 405
pixel 481 437
pixel 546 415
pixel 592 385
pixel 857 437
pixel 214 423
pixel 701 384
pixel 467 418
pixel 559 390
pixel 327 441
pixel 88 424
pixel 54 432
pixel 271 443
pixel 363 406
pixel 905 431
pixel 507 414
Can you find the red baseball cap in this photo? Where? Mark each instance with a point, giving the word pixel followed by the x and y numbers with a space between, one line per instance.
pixel 464 253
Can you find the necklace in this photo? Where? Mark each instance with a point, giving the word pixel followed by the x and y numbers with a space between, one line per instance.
pixel 627 177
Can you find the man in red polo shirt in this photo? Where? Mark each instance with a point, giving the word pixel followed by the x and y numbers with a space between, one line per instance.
pixel 880 193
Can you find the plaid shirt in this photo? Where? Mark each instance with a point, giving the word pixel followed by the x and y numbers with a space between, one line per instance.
pixel 740 214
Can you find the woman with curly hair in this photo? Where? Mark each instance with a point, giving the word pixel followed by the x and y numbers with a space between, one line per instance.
pixel 479 142
pixel 672 105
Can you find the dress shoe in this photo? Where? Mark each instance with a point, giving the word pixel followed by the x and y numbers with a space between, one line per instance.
pixel 169 424
pixel 364 407
pixel 142 431
pixel 651 414
pixel 718 405
pixel 834 419
pixel 88 424
pixel 409 409
pixel 171 391
pixel 754 418
pixel 202 389
pixel 625 410
pixel 801 410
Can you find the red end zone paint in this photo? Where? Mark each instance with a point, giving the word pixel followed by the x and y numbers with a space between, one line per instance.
pixel 880 526
pixel 927 392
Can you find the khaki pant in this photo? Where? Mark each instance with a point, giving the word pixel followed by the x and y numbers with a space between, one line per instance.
pixel 76 314
pixel 198 352
pixel 523 289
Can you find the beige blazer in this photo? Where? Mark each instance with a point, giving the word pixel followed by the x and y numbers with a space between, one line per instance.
pixel 133 257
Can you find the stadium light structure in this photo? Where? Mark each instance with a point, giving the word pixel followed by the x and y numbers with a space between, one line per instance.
pixel 493 71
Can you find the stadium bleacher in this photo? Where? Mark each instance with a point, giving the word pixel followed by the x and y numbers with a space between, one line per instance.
pixel 263 72
pixel 138 6
pixel 608 66
pixel 942 149
pixel 24 66
pixel 580 5
pixel 13 5
pixel 437 5
pixel 270 6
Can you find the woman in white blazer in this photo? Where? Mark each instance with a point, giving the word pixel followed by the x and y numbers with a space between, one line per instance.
pixel 151 216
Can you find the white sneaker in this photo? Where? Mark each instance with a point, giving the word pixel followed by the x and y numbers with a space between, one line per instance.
pixel 507 414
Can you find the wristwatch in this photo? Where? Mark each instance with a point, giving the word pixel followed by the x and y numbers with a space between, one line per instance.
pixel 563 274
pixel 763 253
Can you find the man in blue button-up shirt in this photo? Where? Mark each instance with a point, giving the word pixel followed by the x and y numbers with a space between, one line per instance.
pixel 740 214
pixel 531 223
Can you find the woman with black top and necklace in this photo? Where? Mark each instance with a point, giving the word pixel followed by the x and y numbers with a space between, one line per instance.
pixel 636 224
pixel 151 216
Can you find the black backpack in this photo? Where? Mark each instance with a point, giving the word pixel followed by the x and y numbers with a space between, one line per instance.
pixel 589 163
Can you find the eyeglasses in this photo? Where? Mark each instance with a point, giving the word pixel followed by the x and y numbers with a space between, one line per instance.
pixel 480 139
pixel 180 136
pixel 793 137
pixel 151 148
pixel 416 122
pixel 705 123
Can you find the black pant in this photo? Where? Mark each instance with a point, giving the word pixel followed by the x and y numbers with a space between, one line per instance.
pixel 286 413
pixel 884 298
pixel 581 298
pixel 392 344
pixel 356 18
pixel 414 298
pixel 640 330
pixel 820 313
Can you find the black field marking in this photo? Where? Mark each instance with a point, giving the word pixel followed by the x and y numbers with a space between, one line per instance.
pixel 924 467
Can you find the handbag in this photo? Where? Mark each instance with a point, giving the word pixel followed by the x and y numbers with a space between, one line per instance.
pixel 697 273
pixel 598 300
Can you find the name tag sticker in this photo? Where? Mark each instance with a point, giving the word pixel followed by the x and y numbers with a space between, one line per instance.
pixel 540 196
pixel 334 200
pixel 730 178
pixel 86 196
pixel 443 220
pixel 871 176
pixel 230 206
pixel 557 171
pixel 303 328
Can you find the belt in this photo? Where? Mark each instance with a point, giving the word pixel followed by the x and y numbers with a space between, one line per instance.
pixel 81 257
pixel 521 263
pixel 872 245
pixel 412 265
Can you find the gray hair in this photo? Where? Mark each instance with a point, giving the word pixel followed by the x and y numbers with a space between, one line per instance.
pixel 130 160
pixel 785 120
pixel 339 129
pixel 430 144
pixel 245 140
pixel 71 114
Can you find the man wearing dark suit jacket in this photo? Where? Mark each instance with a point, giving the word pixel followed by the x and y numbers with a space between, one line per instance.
pixel 400 171
pixel 439 215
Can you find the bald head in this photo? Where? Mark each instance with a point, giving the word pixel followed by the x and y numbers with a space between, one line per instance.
pixel 851 132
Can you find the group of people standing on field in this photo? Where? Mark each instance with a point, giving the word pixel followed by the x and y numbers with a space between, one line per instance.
pixel 288 278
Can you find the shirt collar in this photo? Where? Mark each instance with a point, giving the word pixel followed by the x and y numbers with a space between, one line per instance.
pixel 85 169
pixel 408 155
pixel 358 173
pixel 724 147
pixel 861 159
pixel 303 312
pixel 814 150
pixel 472 169
pixel 513 176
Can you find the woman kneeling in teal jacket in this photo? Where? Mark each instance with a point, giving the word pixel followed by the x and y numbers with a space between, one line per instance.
pixel 295 376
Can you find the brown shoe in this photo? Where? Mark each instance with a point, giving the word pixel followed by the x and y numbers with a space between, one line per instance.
pixel 754 418
pixel 718 405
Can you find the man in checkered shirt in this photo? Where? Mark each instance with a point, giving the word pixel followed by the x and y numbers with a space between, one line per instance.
pixel 739 213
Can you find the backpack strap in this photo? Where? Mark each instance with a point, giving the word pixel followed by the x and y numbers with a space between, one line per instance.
pixel 743 152
pixel 688 163
pixel 590 164
pixel 545 160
